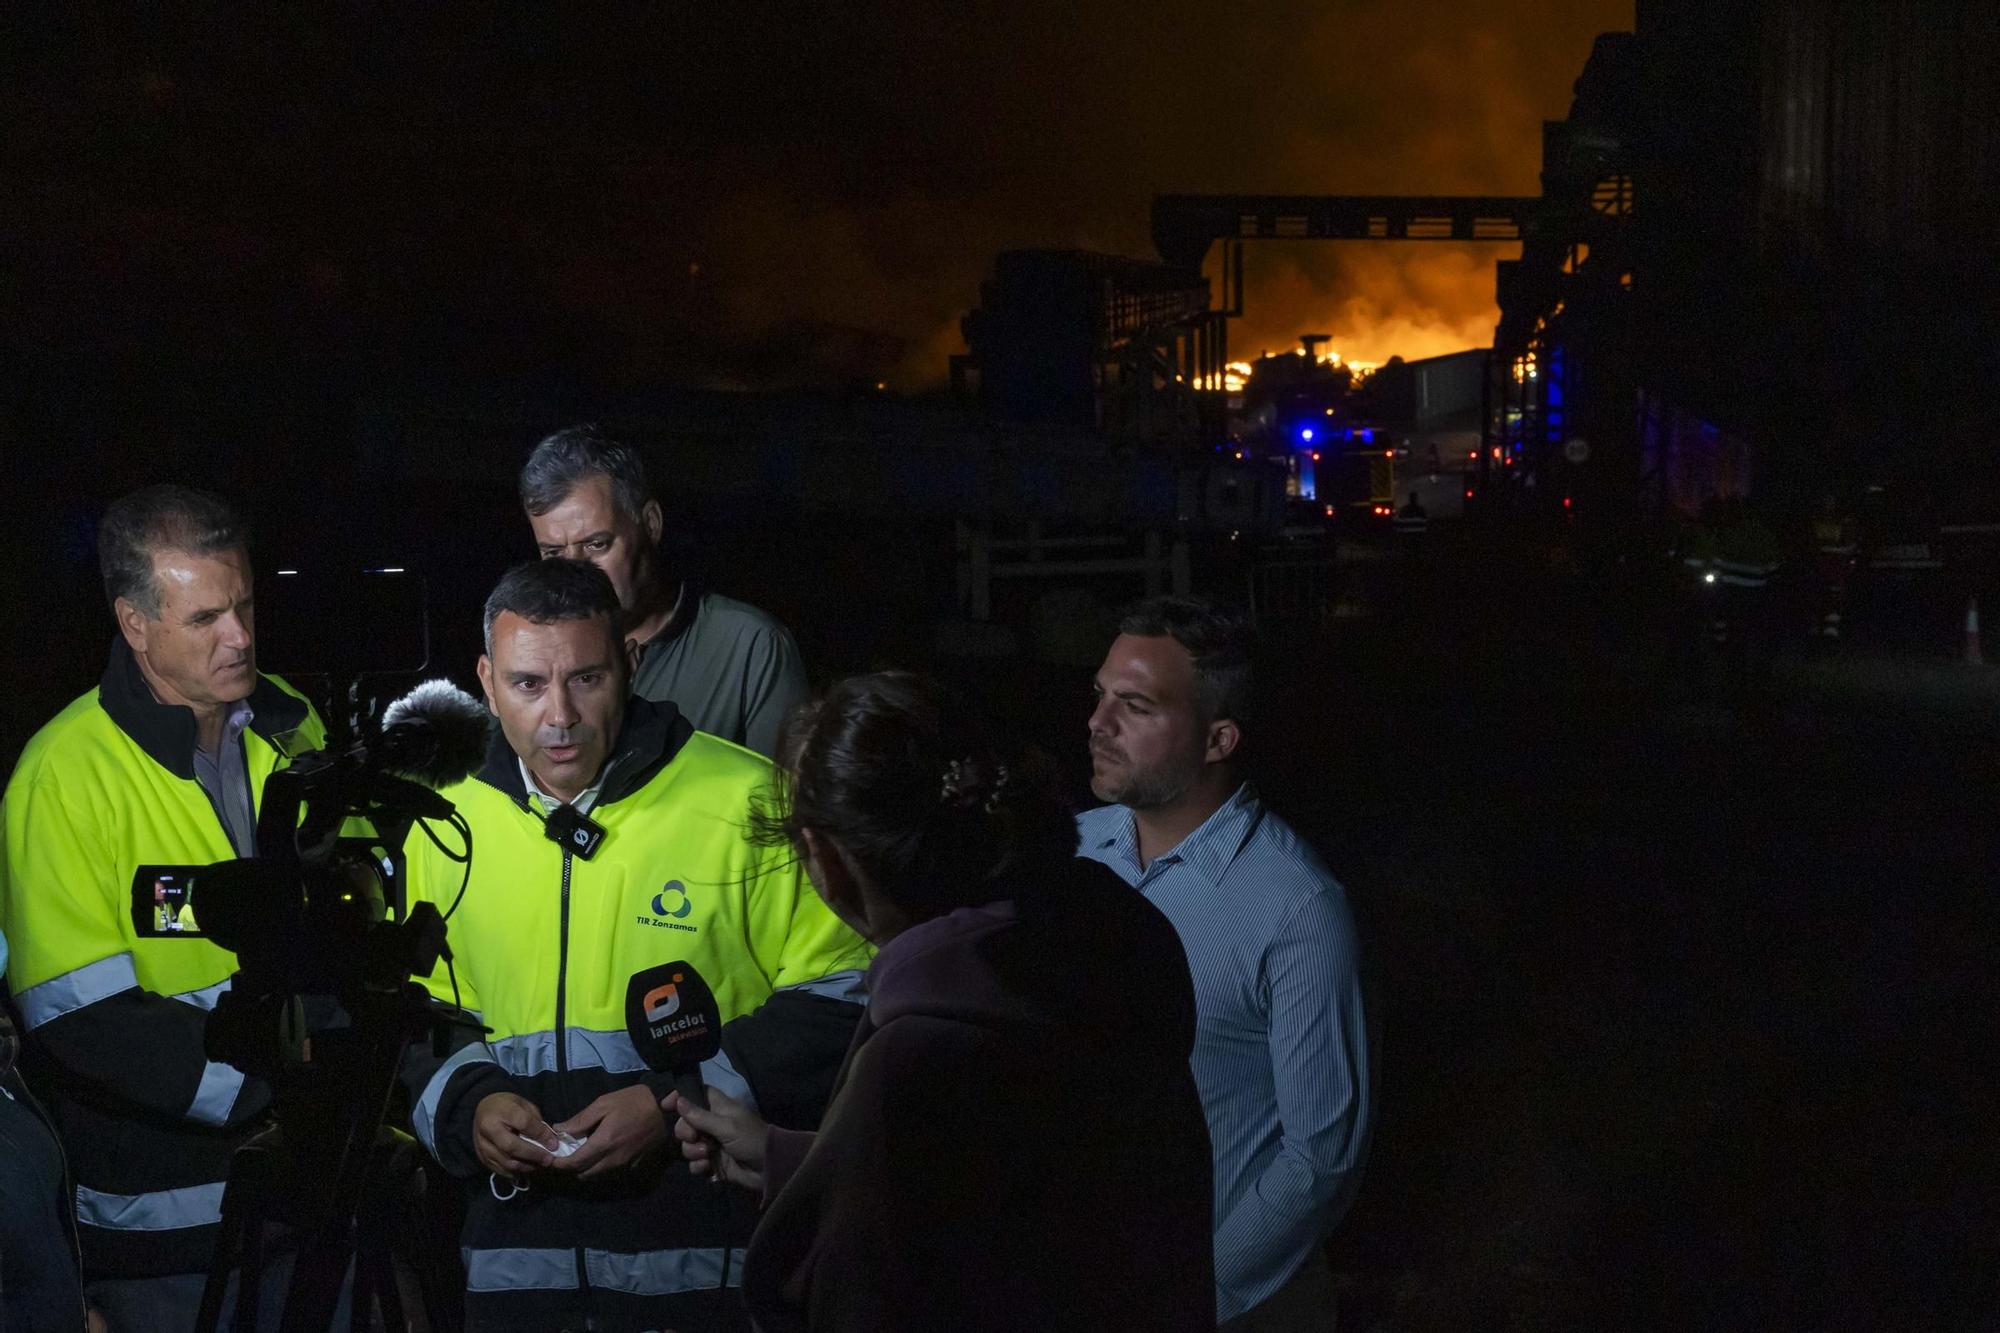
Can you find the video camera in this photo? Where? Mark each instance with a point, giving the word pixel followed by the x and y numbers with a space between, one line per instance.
pixel 322 1005
pixel 319 910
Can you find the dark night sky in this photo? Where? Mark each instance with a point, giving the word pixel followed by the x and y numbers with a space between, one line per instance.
pixel 724 195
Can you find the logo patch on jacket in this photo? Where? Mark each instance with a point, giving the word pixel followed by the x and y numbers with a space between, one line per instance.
pixel 669 906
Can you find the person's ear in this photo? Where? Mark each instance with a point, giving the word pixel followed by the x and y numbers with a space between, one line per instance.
pixel 1223 738
pixel 132 623
pixel 832 875
pixel 486 682
pixel 655 520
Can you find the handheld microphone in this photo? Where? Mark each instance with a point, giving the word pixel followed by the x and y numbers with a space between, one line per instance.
pixel 673 1020
pixel 435 735
pixel 672 1017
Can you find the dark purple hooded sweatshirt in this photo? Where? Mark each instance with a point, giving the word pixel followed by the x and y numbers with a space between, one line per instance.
pixel 1015 1142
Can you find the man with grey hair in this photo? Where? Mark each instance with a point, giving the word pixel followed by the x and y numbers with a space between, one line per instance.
pixel 730 669
pixel 1281 1049
pixel 156 771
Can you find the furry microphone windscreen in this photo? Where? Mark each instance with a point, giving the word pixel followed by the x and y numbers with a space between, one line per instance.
pixel 436 735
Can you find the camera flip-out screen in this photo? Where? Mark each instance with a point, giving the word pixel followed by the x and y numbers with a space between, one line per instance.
pixel 163 902
pixel 163 897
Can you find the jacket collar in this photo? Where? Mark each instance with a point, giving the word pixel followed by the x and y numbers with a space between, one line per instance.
pixel 166 732
pixel 653 733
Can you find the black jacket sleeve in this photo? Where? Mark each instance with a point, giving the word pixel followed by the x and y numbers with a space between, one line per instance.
pixel 146 1051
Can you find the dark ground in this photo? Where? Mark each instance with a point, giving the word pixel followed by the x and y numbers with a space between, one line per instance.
pixel 1684 1009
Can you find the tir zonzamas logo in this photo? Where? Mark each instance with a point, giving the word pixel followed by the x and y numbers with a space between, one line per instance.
pixel 670 906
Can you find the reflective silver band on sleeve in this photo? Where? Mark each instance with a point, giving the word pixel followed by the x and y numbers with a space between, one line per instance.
pixel 161 1210
pixel 73 990
pixel 849 985
pixel 213 1100
pixel 721 1074
pixel 206 997
pixel 423 1116
pixel 660 1272
pixel 520 1269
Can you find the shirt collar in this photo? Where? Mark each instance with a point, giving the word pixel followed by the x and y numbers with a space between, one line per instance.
pixel 652 735
pixel 234 722
pixel 676 623
pixel 584 799
pixel 239 716
pixel 1208 850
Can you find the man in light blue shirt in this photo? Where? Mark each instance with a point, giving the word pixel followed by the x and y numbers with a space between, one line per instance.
pixel 1281 1054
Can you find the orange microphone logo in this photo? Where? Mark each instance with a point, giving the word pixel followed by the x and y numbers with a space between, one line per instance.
pixel 663 1001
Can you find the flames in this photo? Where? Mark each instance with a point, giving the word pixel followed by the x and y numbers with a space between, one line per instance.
pixel 1236 374
pixel 1232 379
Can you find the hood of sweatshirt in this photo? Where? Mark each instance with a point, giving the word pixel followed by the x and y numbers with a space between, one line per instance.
pixel 1072 952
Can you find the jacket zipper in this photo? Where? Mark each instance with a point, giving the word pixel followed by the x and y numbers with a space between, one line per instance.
pixel 562 983
pixel 562 1046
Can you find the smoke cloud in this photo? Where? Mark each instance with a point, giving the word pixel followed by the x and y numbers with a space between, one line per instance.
pixel 887 179
pixel 752 194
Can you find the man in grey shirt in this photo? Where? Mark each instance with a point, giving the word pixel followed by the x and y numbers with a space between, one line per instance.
pixel 732 670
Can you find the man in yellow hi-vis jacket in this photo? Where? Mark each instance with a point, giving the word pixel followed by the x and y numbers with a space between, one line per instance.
pixel 608 838
pixel 162 765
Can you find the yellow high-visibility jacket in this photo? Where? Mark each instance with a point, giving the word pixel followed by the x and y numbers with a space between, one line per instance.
pixel 545 943
pixel 149 1122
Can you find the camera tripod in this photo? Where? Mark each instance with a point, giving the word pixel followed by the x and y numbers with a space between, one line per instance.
pixel 345 1184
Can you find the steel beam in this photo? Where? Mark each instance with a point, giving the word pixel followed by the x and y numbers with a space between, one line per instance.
pixel 1185 225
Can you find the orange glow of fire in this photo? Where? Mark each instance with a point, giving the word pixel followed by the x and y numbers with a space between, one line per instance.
pixel 1232 379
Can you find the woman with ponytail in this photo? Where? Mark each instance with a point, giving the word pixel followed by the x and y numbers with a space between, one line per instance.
pixel 1015 1141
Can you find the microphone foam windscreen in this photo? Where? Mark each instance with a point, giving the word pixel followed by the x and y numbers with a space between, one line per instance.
pixel 672 1017
pixel 436 734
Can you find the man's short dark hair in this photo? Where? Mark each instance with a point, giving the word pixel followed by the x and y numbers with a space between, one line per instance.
pixel 546 591
pixel 1220 640
pixel 571 456
pixel 161 518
